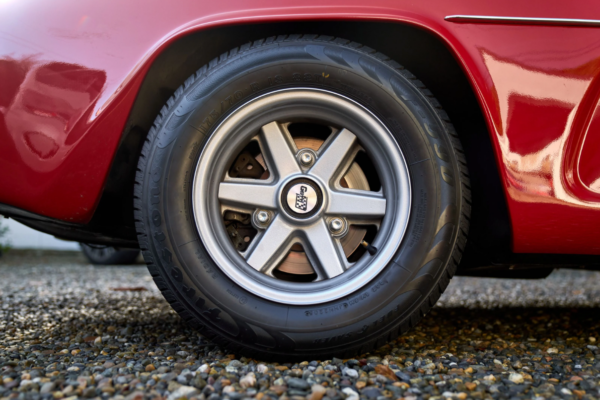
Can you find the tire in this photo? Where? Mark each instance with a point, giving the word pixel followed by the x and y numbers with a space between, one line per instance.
pixel 219 300
pixel 107 255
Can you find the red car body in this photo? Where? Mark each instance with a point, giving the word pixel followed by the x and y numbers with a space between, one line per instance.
pixel 71 73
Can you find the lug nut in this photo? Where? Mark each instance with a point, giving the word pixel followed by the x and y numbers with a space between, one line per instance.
pixel 262 217
pixel 336 225
pixel 306 158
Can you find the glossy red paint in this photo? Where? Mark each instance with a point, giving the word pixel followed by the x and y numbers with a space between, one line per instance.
pixel 70 72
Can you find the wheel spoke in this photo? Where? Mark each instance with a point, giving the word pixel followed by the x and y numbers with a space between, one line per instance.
pixel 324 251
pixel 334 156
pixel 280 150
pixel 248 195
pixel 264 255
pixel 356 204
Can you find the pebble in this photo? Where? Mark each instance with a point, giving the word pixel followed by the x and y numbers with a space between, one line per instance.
pixel 317 392
pixel 262 368
pixel 249 380
pixel 183 391
pixel 297 383
pixel 352 373
pixel 47 387
pixel 516 378
pixel 351 394
pixel 64 334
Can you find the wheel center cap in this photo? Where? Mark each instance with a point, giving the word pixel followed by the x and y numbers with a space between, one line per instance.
pixel 302 198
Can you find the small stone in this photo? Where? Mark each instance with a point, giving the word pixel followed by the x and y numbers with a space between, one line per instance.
pixel 262 368
pixel 231 369
pixel 490 378
pixel 149 368
pixel 298 383
pixel 82 381
pixel 68 389
pixel 516 378
pixel 204 368
pixel 168 377
pixel 249 380
pixel 592 339
pixel 371 392
pixel 318 391
pixel 173 386
pixel 351 394
pixel 352 373
pixel 278 389
pixel 183 391
pixel 552 350
pixel 403 376
pixel 566 391
pixel 461 395
pixel 47 387
pixel 108 389
pixel 279 382
pixel 386 371
pixel 199 382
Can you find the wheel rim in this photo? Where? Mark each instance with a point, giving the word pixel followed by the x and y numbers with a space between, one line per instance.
pixel 302 201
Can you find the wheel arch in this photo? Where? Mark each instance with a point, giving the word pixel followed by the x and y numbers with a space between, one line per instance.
pixel 421 51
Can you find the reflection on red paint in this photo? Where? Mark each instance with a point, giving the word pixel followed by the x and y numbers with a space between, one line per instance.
pixel 41 144
pixel 589 159
pixel 51 98
pixel 538 111
pixel 44 103
pixel 538 107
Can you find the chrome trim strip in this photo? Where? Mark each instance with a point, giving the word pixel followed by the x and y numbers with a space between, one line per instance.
pixel 487 19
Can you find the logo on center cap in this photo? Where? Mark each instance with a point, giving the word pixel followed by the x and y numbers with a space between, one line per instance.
pixel 302 198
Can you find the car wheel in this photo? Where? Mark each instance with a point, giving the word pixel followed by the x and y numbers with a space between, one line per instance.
pixel 302 197
pixel 107 255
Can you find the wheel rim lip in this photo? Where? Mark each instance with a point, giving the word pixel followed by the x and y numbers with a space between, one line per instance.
pixel 295 293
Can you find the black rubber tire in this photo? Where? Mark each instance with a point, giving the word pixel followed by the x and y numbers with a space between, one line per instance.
pixel 385 307
pixel 107 255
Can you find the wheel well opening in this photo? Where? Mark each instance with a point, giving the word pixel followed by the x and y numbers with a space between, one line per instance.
pixel 418 50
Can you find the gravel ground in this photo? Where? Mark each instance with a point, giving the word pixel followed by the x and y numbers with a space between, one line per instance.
pixel 70 330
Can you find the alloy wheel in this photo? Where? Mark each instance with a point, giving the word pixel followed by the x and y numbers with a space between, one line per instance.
pixel 294 218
